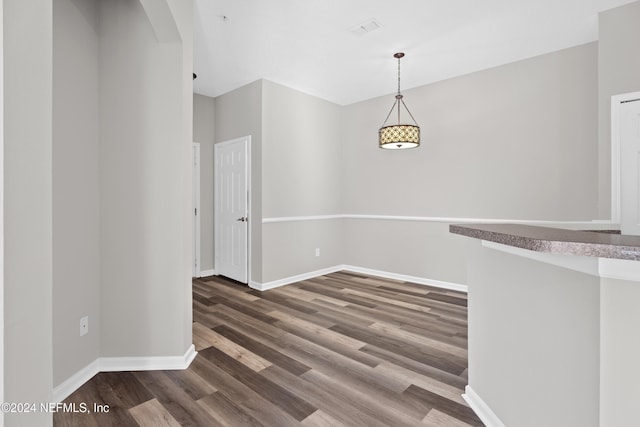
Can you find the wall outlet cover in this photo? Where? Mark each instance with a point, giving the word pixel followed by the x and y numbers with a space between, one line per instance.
pixel 84 325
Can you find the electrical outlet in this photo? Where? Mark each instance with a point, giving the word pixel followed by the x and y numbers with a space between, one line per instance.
pixel 84 325
pixel 317 251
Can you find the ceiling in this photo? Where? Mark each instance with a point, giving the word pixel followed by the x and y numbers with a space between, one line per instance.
pixel 309 45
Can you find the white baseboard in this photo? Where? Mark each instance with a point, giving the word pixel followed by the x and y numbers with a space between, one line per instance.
pixel 482 410
pixel 161 363
pixel 111 364
pixel 413 279
pixel 405 278
pixel 76 381
pixel 298 278
pixel 207 273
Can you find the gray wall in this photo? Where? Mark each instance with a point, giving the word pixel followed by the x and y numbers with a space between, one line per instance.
pixel 145 181
pixel 204 133
pixel 302 175
pixel 76 186
pixel 547 352
pixel 420 249
pixel 619 371
pixel 27 207
pixel 238 114
pixel 517 142
pixel 121 181
pixel 619 72
pixel 296 171
pixel 302 147
pixel 513 142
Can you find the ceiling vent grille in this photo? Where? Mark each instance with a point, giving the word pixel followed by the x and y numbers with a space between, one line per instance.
pixel 366 27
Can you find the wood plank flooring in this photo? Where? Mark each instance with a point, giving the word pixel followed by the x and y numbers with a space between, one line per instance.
pixel 338 350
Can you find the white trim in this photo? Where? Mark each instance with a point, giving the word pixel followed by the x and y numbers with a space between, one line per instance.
pixel 207 273
pixel 160 363
pixel 301 218
pixel 112 364
pixel 362 270
pixel 619 269
pixel 75 381
pixel 482 410
pixel 467 220
pixel 616 102
pixel 405 278
pixel 594 224
pixel 294 279
pixel 608 268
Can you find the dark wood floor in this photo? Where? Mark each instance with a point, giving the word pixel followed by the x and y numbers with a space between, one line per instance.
pixel 338 350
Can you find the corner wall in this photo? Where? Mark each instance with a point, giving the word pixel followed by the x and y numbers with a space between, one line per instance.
pixel 302 176
pixel 97 190
pixel 237 114
pixel 145 182
pixel 27 87
pixel 76 186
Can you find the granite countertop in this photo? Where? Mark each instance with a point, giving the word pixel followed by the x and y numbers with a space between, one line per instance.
pixel 555 240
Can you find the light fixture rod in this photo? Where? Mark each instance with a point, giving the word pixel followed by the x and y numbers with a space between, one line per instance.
pixel 399 55
pixel 399 97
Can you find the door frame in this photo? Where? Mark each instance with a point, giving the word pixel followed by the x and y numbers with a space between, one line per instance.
pixel 616 144
pixel 216 241
pixel 195 162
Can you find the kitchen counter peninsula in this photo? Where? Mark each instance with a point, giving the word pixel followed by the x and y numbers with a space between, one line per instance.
pixel 553 326
pixel 555 240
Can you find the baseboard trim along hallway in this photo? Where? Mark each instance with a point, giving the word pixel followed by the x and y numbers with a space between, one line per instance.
pixel 111 364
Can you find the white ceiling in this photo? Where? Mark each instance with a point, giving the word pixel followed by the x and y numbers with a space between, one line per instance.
pixel 307 44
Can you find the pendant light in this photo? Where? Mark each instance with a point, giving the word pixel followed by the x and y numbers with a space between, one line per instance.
pixel 400 136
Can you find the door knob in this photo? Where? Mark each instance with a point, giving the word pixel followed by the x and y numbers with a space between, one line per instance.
pixel 242 219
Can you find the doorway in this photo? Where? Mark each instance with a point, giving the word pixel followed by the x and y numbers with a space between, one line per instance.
pixel 232 208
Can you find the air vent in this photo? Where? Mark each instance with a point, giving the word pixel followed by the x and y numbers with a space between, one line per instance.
pixel 366 27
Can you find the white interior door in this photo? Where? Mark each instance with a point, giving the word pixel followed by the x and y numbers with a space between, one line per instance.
pixel 630 168
pixel 196 210
pixel 231 199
